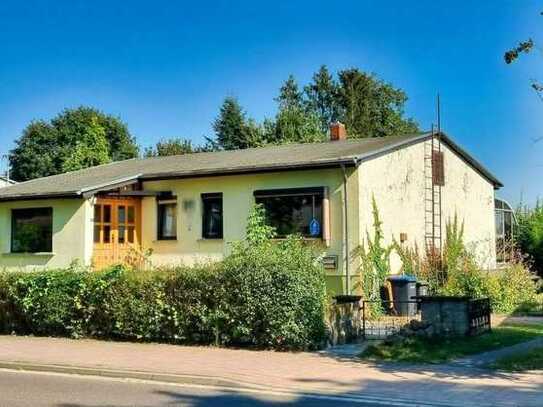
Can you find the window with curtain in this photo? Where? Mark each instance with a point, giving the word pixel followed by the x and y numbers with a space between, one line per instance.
pixel 32 230
pixel 167 219
pixel 294 211
pixel 212 218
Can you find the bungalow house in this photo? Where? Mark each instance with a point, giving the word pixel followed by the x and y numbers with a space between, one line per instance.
pixel 188 208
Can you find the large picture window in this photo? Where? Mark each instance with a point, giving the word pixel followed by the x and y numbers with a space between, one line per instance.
pixel 167 219
pixel 212 216
pixel 32 230
pixel 293 211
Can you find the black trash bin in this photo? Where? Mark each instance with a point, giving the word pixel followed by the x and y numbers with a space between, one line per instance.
pixel 404 288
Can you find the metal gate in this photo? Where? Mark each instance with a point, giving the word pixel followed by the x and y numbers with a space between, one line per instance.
pixel 381 319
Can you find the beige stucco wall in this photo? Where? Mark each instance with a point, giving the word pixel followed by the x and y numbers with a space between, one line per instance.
pixel 470 196
pixel 237 201
pixel 72 234
pixel 397 181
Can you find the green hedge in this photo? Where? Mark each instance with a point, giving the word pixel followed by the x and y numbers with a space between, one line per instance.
pixel 267 295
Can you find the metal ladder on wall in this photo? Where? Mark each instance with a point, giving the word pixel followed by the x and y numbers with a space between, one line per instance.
pixel 432 200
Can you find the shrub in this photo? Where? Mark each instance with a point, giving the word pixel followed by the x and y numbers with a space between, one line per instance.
pixel 274 293
pixel 455 273
pixel 265 294
pixel 44 303
pixel 274 296
pixel 512 289
pixel 529 235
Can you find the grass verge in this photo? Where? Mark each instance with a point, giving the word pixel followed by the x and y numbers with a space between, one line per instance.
pixel 438 350
pixel 531 360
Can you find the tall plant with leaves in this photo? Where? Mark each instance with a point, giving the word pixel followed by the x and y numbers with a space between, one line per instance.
pixel 257 231
pixel 374 259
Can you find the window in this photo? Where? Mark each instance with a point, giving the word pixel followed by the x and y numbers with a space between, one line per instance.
pixel 438 168
pixel 505 224
pixel 32 230
pixel 212 216
pixel 102 223
pixel 293 211
pixel 167 218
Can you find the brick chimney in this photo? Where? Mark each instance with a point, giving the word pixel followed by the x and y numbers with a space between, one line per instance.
pixel 337 131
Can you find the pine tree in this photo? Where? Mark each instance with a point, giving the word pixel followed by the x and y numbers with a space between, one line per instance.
pixel 232 128
pixel 290 96
pixel 321 98
pixel 371 107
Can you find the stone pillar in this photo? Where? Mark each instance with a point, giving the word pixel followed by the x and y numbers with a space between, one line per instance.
pixel 344 320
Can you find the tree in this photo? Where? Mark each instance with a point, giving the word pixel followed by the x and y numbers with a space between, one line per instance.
pixel 74 139
pixel 321 98
pixel 173 146
pixel 367 106
pixel 290 96
pixel 529 235
pixel 293 123
pixel 36 152
pixel 525 47
pixel 72 124
pixel 295 126
pixel 371 107
pixel 233 130
pixel 90 149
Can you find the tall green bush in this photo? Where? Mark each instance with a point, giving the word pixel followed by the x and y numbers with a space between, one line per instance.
pixel 529 235
pixel 265 294
pixel 274 292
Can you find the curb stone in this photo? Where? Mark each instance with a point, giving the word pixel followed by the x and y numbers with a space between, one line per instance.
pixel 130 374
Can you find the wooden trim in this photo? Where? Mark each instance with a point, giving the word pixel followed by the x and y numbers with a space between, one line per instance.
pixel 326 217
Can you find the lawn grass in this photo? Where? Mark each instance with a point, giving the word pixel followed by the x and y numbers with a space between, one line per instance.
pixel 531 360
pixel 438 350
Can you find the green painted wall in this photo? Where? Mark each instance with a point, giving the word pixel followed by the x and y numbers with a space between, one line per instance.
pixel 72 237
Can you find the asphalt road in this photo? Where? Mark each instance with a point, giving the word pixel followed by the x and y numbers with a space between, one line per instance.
pixel 27 389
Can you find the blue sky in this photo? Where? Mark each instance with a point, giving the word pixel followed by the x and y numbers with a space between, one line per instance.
pixel 165 66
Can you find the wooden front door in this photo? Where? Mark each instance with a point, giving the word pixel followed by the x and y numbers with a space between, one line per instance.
pixel 117 229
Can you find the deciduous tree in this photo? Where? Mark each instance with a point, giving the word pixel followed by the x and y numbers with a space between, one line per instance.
pixel 173 146
pixel 75 139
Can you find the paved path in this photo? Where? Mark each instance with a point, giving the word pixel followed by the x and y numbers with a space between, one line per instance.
pixel 298 373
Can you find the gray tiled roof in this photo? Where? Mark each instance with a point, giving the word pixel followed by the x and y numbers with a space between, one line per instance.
pixel 290 156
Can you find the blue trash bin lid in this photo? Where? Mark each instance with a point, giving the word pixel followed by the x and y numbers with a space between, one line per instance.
pixel 403 278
